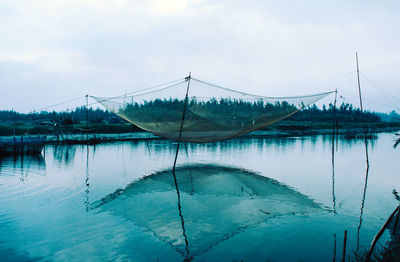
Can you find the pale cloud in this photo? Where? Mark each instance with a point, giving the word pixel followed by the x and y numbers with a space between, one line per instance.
pixel 169 7
pixel 50 61
pixel 266 47
pixel 181 7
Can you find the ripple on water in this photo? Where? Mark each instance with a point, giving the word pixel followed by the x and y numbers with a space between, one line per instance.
pixel 228 214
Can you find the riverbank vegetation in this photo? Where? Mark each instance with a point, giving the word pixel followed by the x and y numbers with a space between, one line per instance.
pixel 75 121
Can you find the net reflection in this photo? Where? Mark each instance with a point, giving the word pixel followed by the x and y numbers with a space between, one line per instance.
pixel 215 203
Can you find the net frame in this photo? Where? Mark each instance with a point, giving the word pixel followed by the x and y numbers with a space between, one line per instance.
pixel 183 110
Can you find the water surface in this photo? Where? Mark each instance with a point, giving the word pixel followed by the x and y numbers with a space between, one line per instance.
pixel 252 199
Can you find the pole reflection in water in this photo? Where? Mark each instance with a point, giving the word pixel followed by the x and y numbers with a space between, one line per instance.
pixel 182 220
pixel 64 154
pixel 22 178
pixel 364 193
pixel 333 182
pixel 333 174
pixel 333 153
pixel 87 190
pixel 215 203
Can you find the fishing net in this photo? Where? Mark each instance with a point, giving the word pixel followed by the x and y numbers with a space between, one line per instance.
pixel 192 110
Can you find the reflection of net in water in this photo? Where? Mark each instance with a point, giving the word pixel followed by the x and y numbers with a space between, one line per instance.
pixel 212 113
pixel 217 203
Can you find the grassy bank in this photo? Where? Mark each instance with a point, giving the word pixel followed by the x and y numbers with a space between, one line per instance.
pixel 284 127
pixel 305 125
pixel 35 129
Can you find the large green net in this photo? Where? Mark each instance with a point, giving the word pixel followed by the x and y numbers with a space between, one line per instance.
pixel 192 110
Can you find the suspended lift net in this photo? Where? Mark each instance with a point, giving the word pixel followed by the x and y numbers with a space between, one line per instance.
pixel 209 112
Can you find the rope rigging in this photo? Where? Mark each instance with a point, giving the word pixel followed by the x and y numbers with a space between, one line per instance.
pixel 380 89
pixel 256 96
pixel 159 110
pixel 165 86
pixel 176 83
pixel 131 96
pixel 393 101
pixel 61 103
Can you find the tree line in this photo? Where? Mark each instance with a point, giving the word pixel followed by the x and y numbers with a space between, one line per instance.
pixel 343 113
pixel 76 116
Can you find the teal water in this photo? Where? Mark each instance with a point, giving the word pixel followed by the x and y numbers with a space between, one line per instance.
pixel 250 199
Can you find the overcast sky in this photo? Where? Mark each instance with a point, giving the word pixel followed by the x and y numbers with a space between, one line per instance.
pixel 55 50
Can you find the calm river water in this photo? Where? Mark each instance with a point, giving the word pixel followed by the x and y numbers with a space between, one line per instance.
pixel 250 199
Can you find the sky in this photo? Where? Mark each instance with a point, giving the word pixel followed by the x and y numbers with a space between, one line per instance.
pixel 56 50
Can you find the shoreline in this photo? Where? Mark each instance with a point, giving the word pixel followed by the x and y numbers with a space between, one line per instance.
pixel 99 138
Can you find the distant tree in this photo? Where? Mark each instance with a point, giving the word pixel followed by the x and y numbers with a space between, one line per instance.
pixel 161 109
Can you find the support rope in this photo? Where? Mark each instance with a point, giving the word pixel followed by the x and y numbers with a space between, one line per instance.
pixel 61 103
pixel 153 91
pixel 257 96
pixel 382 91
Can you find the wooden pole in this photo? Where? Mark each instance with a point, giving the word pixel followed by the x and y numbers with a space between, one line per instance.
pixel 359 85
pixel 334 247
pixel 344 246
pixel 173 168
pixel 362 110
pixel 183 120
pixel 379 234
pixel 366 154
pixel 14 123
